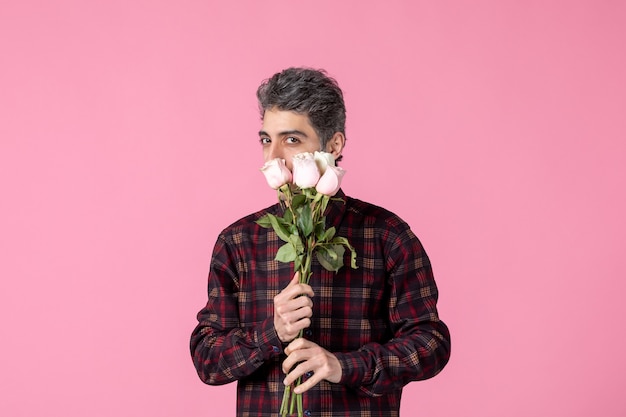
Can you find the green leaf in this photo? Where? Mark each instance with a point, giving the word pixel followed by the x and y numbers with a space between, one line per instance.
pixel 287 226
pixel 330 257
pixel 288 217
pixel 297 263
pixel 298 201
pixel 264 221
pixel 286 253
pixel 282 221
pixel 353 258
pixel 328 234
pixel 323 260
pixel 305 222
pixel 279 228
pixel 296 242
pixel 340 240
pixel 325 201
pixel 339 251
pixel 319 230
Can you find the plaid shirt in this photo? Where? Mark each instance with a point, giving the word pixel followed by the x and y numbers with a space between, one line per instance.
pixel 380 320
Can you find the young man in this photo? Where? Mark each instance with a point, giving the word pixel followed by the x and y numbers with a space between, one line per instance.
pixel 368 331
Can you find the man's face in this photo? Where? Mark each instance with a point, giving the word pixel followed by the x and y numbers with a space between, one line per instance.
pixel 285 134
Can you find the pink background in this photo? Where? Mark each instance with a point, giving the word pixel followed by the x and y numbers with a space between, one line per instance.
pixel 128 141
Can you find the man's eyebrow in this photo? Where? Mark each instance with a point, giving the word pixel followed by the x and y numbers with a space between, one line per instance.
pixel 285 133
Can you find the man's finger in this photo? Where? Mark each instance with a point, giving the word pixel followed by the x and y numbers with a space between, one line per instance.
pixel 297 344
pixel 297 372
pixel 306 385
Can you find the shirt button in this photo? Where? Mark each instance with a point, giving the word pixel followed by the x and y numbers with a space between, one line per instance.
pixel 276 349
pixel 308 332
pixel 307 413
pixel 309 374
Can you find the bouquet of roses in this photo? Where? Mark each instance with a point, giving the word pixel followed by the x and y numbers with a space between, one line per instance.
pixel 305 194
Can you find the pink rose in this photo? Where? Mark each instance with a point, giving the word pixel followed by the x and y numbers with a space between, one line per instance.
pixel 330 182
pixel 323 159
pixel 276 173
pixel 305 171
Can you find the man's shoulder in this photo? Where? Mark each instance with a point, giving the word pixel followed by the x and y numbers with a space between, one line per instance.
pixel 374 213
pixel 383 224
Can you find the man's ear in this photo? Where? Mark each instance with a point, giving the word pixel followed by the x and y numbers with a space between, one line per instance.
pixel 335 144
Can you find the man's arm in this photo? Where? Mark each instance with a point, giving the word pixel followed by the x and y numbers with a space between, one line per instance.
pixel 420 347
pixel 223 351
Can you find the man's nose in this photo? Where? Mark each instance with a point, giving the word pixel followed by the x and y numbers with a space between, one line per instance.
pixel 274 151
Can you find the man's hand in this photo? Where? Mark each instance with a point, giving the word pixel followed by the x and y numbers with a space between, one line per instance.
pixel 310 357
pixel 292 313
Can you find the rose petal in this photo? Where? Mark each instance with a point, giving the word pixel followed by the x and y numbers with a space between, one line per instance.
pixel 305 171
pixel 276 173
pixel 330 182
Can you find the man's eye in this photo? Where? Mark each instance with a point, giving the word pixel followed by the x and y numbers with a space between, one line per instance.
pixel 291 139
pixel 264 141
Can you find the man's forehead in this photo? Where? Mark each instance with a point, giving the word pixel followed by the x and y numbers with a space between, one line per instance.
pixel 285 120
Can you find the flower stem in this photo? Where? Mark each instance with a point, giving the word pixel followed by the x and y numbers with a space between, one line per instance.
pixel 293 402
pixel 300 406
pixel 283 405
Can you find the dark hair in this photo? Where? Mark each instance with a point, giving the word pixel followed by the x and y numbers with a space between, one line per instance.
pixel 310 92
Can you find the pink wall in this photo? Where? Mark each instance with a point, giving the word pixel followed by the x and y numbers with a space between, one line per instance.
pixel 128 140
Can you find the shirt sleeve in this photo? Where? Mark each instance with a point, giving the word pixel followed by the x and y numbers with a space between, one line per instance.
pixel 420 346
pixel 223 351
